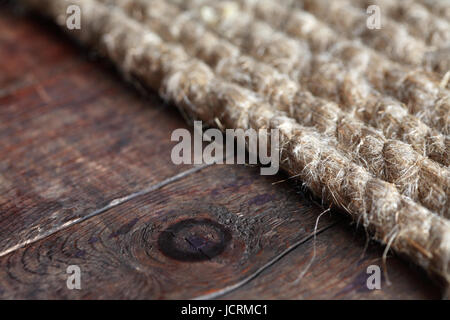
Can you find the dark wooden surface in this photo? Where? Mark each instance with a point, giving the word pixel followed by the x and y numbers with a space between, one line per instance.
pixel 86 179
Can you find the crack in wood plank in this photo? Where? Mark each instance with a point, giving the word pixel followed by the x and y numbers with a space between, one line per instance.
pixel 273 261
pixel 111 204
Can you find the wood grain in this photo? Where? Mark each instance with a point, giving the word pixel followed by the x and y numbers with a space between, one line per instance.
pixel 73 141
pixel 30 51
pixel 120 256
pixel 338 271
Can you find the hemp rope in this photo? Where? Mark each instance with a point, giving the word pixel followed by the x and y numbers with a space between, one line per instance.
pixel 420 22
pixel 440 8
pixel 422 94
pixel 327 76
pixel 195 88
pixel 414 175
pixel 417 89
pixel 393 38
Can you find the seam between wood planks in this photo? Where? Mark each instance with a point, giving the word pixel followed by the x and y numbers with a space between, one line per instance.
pixel 110 205
pixel 269 264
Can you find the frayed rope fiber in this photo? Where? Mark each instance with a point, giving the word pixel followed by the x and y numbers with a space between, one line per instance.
pixel 363 120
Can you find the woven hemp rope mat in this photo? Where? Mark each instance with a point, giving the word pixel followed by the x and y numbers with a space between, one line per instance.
pixel 363 114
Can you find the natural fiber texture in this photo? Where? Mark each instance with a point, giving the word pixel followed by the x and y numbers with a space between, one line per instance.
pixel 419 21
pixel 393 38
pixel 417 89
pixel 440 8
pixel 235 64
pixel 329 74
pixel 415 176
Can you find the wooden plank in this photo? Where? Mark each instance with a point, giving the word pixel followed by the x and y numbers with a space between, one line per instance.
pixel 338 271
pixel 228 221
pixel 73 141
pixel 68 157
pixel 30 51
